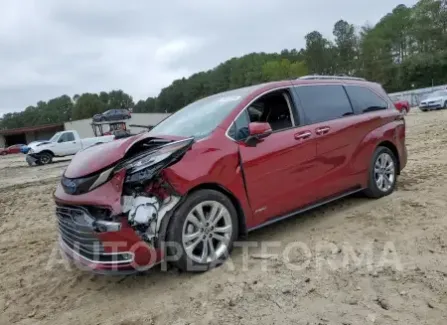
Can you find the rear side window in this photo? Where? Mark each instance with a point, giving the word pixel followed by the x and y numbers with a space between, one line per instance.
pixel 364 100
pixel 324 103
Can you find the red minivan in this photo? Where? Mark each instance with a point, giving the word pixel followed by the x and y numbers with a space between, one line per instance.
pixel 225 165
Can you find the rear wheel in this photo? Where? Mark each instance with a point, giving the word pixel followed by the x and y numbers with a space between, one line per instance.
pixel 382 173
pixel 45 158
pixel 202 231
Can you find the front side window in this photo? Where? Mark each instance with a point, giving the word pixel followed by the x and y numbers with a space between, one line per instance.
pixel 200 118
pixel 364 100
pixel 55 137
pixel 66 137
pixel 324 103
pixel 273 108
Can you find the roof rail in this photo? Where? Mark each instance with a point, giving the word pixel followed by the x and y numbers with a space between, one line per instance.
pixel 320 77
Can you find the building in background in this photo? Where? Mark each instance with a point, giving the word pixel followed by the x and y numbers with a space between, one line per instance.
pixel 26 135
pixel 83 127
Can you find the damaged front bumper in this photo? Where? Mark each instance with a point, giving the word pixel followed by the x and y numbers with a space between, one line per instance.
pixel 31 160
pixel 93 241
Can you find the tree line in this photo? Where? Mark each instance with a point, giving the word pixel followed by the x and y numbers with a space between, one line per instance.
pixel 406 49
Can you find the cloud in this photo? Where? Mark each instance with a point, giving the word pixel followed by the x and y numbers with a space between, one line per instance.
pixel 53 47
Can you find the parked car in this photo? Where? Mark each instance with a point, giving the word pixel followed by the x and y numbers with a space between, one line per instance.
pixel 64 143
pixel 26 148
pixel 112 115
pixel 434 100
pixel 402 106
pixel 223 166
pixel 11 149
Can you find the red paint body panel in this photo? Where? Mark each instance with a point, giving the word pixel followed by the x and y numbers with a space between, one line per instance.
pixel 285 171
pixel 280 173
pixel 214 160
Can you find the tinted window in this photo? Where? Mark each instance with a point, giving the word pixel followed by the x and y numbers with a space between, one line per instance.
pixel 324 103
pixel 365 100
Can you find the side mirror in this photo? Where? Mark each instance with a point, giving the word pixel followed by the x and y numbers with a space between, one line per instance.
pixel 259 130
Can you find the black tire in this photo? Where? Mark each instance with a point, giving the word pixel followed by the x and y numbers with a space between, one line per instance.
pixel 373 190
pixel 45 158
pixel 423 110
pixel 175 230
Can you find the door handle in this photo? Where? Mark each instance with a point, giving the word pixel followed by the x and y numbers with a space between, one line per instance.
pixel 303 135
pixel 322 130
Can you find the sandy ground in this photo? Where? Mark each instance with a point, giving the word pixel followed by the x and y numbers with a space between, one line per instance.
pixel 314 278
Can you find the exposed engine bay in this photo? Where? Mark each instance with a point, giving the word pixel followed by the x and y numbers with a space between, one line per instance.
pixel 147 197
pixel 145 211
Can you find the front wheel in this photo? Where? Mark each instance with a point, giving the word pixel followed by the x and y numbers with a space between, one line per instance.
pixel 382 173
pixel 202 231
pixel 45 158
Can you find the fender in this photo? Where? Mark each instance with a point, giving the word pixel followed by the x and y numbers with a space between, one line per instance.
pixel 220 168
pixel 386 133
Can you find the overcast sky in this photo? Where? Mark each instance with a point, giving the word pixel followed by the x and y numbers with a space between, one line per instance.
pixel 54 47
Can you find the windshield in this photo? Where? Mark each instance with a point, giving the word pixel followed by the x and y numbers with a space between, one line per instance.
pixel 201 117
pixel 55 137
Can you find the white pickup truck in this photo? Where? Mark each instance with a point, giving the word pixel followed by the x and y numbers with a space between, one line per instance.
pixel 64 143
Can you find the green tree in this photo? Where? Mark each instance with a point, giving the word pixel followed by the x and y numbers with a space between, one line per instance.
pixel 408 46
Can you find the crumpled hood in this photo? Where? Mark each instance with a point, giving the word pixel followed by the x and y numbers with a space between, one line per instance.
pixel 98 157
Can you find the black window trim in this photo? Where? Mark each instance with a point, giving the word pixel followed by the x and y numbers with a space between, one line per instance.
pixel 387 101
pixel 297 121
pixel 306 121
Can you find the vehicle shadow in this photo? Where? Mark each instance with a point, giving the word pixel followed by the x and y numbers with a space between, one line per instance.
pixel 284 229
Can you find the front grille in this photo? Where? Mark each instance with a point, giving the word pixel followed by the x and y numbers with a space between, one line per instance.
pixel 76 228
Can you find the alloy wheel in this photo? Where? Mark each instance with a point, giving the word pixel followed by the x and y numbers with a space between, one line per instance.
pixel 207 232
pixel 384 172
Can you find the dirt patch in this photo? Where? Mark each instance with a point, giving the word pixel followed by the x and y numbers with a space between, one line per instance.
pixel 321 279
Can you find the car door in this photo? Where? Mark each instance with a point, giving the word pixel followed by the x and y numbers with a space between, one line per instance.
pixel 67 145
pixel 279 169
pixel 330 116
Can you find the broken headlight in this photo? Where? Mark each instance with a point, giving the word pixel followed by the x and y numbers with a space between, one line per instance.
pixel 146 165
